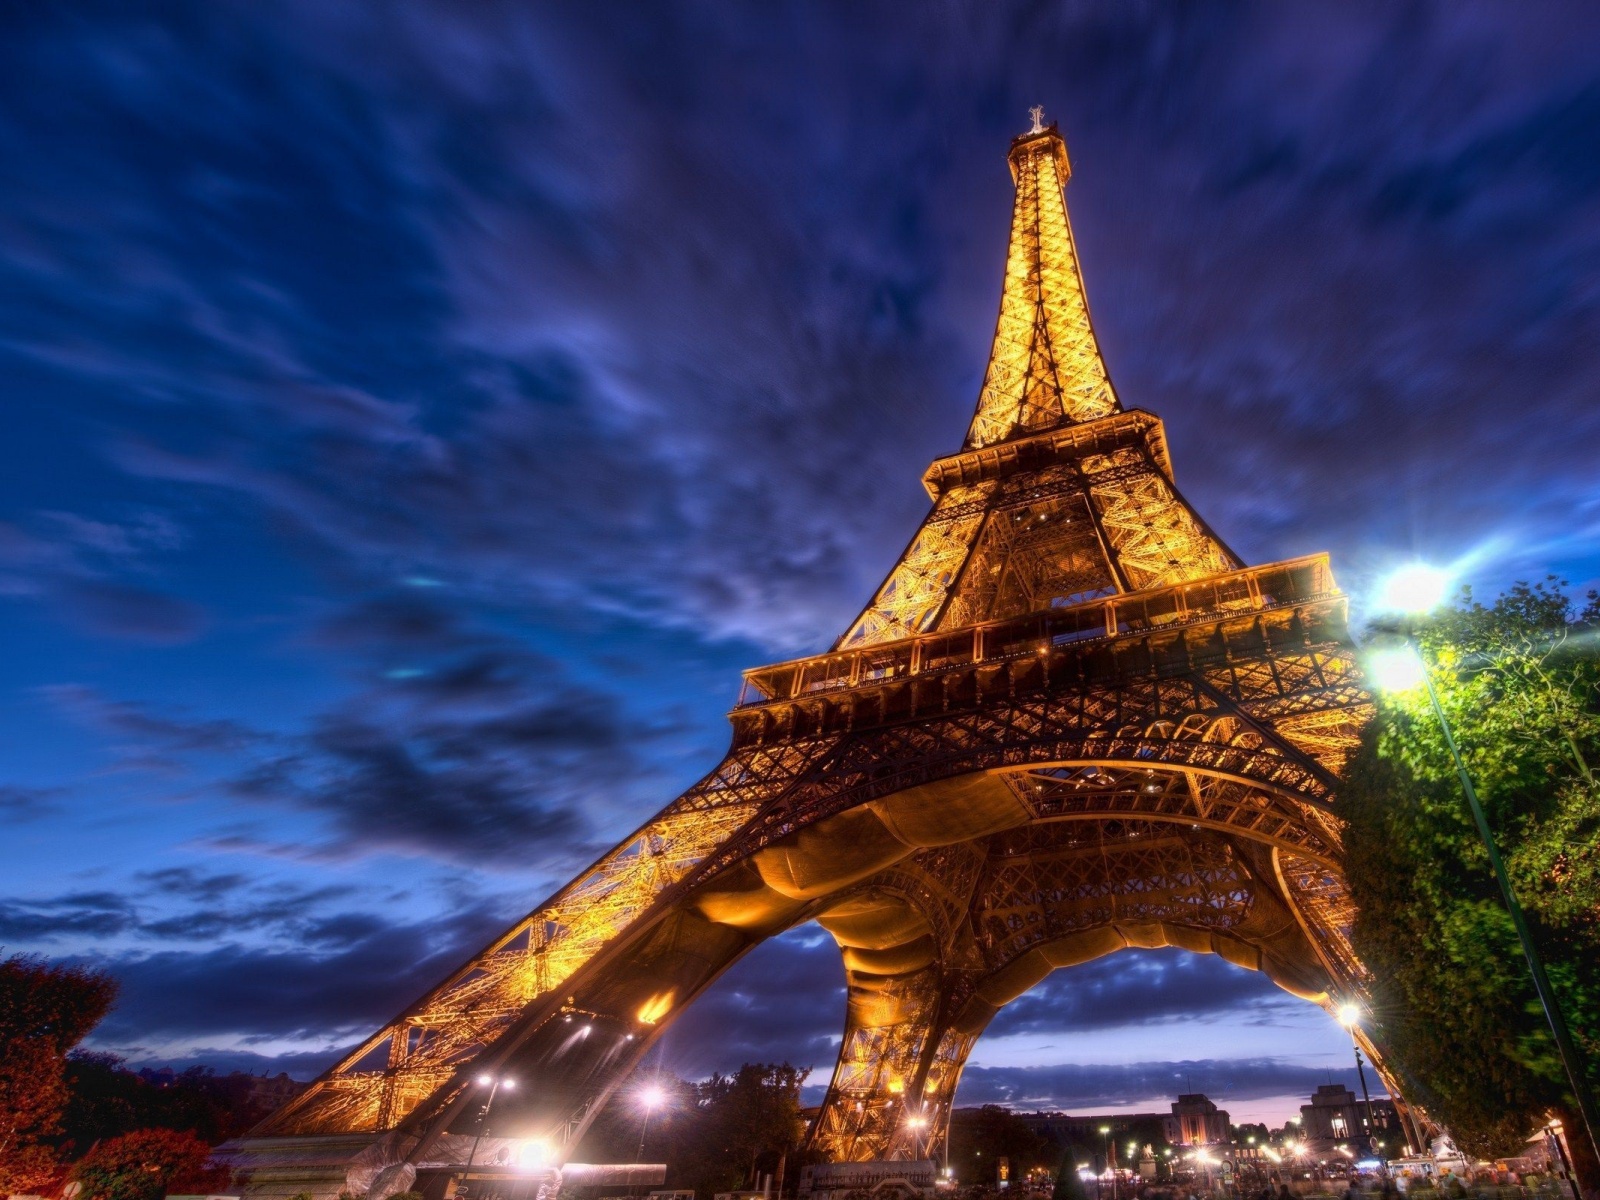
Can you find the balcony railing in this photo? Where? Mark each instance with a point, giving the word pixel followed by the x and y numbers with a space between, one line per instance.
pixel 1252 589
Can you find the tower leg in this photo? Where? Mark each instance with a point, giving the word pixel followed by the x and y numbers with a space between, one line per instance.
pixel 897 1072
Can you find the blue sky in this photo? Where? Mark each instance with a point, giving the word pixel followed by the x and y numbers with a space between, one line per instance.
pixel 417 414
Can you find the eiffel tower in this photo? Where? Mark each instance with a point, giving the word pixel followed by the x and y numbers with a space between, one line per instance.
pixel 1070 721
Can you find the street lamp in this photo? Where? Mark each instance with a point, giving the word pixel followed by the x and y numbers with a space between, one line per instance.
pixel 494 1083
pixel 916 1125
pixel 650 1099
pixel 1350 1017
pixel 1111 1163
pixel 1414 590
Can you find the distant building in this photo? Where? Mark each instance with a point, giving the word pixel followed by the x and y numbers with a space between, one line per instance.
pixel 1336 1117
pixel 1085 1130
pixel 1195 1121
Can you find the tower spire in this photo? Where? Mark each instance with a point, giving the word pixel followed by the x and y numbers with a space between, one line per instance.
pixel 1045 367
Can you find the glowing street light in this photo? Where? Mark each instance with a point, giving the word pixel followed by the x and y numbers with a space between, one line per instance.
pixel 1396 671
pixel 494 1083
pixel 1416 589
pixel 1350 1017
pixel 652 1097
pixel 916 1123
pixel 1413 588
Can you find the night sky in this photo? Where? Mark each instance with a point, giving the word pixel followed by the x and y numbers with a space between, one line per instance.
pixel 416 415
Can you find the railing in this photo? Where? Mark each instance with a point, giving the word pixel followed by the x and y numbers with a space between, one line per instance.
pixel 1253 589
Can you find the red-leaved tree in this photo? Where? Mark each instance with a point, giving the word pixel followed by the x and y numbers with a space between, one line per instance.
pixel 147 1164
pixel 44 1011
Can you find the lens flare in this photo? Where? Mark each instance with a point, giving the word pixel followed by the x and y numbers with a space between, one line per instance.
pixel 1398 670
pixel 1413 588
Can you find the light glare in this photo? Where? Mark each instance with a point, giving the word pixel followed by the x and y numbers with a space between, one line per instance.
pixel 1396 670
pixel 1414 588
pixel 652 1097
pixel 1349 1015
pixel 530 1152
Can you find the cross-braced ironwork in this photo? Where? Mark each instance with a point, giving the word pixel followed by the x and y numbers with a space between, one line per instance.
pixel 1070 721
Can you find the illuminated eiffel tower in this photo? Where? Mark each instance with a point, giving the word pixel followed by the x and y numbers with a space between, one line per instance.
pixel 1070 721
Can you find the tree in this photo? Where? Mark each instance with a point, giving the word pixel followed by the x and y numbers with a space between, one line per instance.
pixel 1453 1005
pixel 147 1164
pixel 980 1138
pixel 106 1099
pixel 44 1011
pixel 1069 1184
pixel 714 1136
pixel 741 1120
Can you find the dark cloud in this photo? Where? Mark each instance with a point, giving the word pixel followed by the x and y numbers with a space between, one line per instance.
pixel 143 727
pixel 83 915
pixel 19 804
pixel 489 754
pixel 477 751
pixel 192 883
pixel 1135 987
pixel 135 613
pixel 72 563
pixel 328 992
pixel 784 1001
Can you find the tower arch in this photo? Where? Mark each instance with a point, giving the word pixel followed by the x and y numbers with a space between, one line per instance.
pixel 1070 720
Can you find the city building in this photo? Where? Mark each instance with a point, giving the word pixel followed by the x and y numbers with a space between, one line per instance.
pixel 1195 1121
pixel 1337 1117
pixel 1085 1130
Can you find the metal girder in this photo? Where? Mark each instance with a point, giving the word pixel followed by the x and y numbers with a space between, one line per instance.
pixel 1045 366
pixel 433 1044
pixel 1167 724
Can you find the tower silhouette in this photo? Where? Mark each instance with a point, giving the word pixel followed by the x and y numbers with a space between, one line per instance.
pixel 1071 720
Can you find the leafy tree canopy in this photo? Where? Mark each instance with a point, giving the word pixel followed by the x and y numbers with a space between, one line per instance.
pixel 716 1135
pixel 44 1011
pixel 147 1164
pixel 106 1099
pixel 1519 681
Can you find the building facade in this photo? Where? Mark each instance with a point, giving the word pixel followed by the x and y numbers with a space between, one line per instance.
pixel 1337 1117
pixel 1196 1121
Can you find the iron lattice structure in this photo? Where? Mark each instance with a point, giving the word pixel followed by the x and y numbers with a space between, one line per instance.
pixel 1070 721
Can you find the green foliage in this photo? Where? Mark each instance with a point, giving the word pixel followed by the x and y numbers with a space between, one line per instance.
pixel 406 1196
pixel 44 1011
pixel 147 1164
pixel 1520 684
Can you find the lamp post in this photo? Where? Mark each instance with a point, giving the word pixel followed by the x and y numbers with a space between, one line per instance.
pixel 651 1099
pixel 1416 590
pixel 494 1083
pixel 1111 1163
pixel 1350 1017
pixel 916 1125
